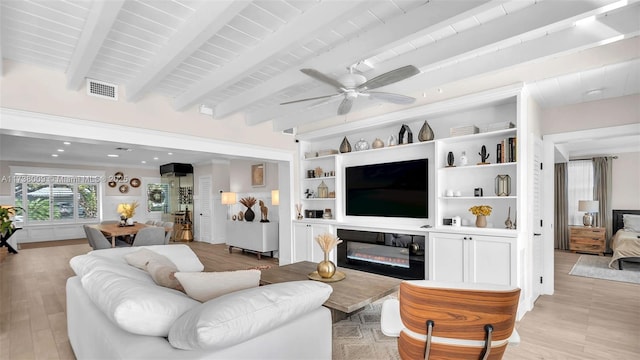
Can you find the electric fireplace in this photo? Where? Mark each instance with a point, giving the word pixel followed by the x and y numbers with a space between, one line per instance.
pixel 397 255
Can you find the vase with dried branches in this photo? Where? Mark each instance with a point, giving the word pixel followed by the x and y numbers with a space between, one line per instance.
pixel 326 268
pixel 248 201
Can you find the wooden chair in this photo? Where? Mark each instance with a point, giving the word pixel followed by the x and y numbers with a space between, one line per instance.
pixel 438 321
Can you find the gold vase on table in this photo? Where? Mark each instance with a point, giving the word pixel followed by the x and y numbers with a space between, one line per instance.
pixel 326 268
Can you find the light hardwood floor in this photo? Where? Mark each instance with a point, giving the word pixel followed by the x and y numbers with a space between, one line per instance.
pixel 585 318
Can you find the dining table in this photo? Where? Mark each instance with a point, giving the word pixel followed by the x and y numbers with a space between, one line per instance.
pixel 114 230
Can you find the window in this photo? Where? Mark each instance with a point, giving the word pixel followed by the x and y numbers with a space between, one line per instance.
pixel 580 187
pixel 53 198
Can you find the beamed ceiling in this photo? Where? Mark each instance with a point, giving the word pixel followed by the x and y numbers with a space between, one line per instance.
pixel 245 56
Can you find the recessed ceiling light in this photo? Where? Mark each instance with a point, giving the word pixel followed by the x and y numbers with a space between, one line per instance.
pixel 67 143
pixel 113 155
pixel 60 150
pixel 155 158
pixel 54 155
pixel 170 153
pixel 144 162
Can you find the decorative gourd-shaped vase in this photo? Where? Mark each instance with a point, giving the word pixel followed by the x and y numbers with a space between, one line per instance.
pixel 345 146
pixel 425 134
pixel 362 144
pixel 377 144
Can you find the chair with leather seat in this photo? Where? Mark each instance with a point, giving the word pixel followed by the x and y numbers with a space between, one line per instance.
pixel 150 235
pixel 437 321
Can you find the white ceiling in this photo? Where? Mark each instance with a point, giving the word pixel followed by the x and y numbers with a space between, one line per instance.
pixel 244 56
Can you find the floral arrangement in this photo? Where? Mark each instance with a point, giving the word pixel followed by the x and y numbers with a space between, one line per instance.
pixel 481 210
pixel 327 241
pixel 127 210
pixel 248 201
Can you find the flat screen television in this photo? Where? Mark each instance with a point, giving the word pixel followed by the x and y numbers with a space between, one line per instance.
pixel 394 189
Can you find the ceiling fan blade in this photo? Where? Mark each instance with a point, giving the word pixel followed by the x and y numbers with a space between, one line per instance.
pixel 345 105
pixel 322 77
pixel 325 101
pixel 308 99
pixel 390 97
pixel 390 77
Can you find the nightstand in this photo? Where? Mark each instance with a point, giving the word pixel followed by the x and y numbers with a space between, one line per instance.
pixel 587 239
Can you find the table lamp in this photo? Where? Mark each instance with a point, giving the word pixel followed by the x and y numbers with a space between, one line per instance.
pixel 589 207
pixel 228 198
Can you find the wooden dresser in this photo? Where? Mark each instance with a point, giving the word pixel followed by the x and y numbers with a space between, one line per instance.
pixel 587 239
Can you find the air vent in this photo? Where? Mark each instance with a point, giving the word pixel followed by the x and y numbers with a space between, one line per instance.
pixel 102 89
pixel 288 131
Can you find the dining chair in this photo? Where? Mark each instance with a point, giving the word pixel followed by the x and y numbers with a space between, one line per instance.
pixel 150 222
pixel 168 228
pixel 97 240
pixel 437 320
pixel 151 235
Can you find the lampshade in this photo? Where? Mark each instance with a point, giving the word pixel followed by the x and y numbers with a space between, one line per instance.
pixel 275 197
pixel 228 198
pixel 590 206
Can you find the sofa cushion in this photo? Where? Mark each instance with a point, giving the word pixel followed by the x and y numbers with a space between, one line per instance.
pixel 84 264
pixel 141 258
pixel 136 306
pixel 164 274
pixel 204 286
pixel 242 315
pixel 181 255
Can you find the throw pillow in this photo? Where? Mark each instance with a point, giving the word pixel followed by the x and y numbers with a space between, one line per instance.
pixel 164 274
pixel 141 257
pixel 179 254
pixel 84 264
pixel 240 316
pixel 136 306
pixel 631 222
pixel 204 286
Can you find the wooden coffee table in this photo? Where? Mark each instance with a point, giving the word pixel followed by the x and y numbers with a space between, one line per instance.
pixel 349 295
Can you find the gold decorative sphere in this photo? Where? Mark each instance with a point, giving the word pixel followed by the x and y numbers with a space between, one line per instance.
pixel 326 269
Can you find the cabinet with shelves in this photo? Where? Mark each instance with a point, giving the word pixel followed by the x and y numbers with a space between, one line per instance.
pixel 460 257
pixel 317 172
pixel 459 184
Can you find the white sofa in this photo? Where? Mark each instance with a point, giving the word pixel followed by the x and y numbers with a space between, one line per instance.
pixel 107 296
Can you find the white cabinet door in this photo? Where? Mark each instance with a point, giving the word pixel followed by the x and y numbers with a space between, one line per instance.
pixel 490 259
pixel 471 258
pixel 301 234
pixel 447 257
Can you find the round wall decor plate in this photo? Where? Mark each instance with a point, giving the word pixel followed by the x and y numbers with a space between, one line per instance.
pixel 118 176
pixel 112 184
pixel 135 182
pixel 124 188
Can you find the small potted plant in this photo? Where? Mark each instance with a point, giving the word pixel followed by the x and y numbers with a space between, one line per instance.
pixel 481 212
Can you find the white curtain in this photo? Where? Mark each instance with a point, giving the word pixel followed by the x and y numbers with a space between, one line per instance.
pixel 580 187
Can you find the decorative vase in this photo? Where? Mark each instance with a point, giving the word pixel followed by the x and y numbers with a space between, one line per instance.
pixel 425 134
pixel 377 144
pixel 508 223
pixel 481 221
pixel 249 215
pixel 463 158
pixel 130 221
pixel 326 268
pixel 392 141
pixel 362 144
pixel 450 159
pixel 345 146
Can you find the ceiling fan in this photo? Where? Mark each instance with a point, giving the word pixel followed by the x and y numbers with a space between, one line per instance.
pixel 352 85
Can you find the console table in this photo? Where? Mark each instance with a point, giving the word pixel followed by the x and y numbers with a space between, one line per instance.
pixel 254 236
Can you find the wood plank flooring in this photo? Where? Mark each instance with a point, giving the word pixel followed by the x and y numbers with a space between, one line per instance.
pixel 585 318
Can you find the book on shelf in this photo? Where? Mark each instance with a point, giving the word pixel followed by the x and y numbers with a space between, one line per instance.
pixel 506 150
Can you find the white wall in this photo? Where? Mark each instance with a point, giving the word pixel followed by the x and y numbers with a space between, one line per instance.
pixel 625 193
